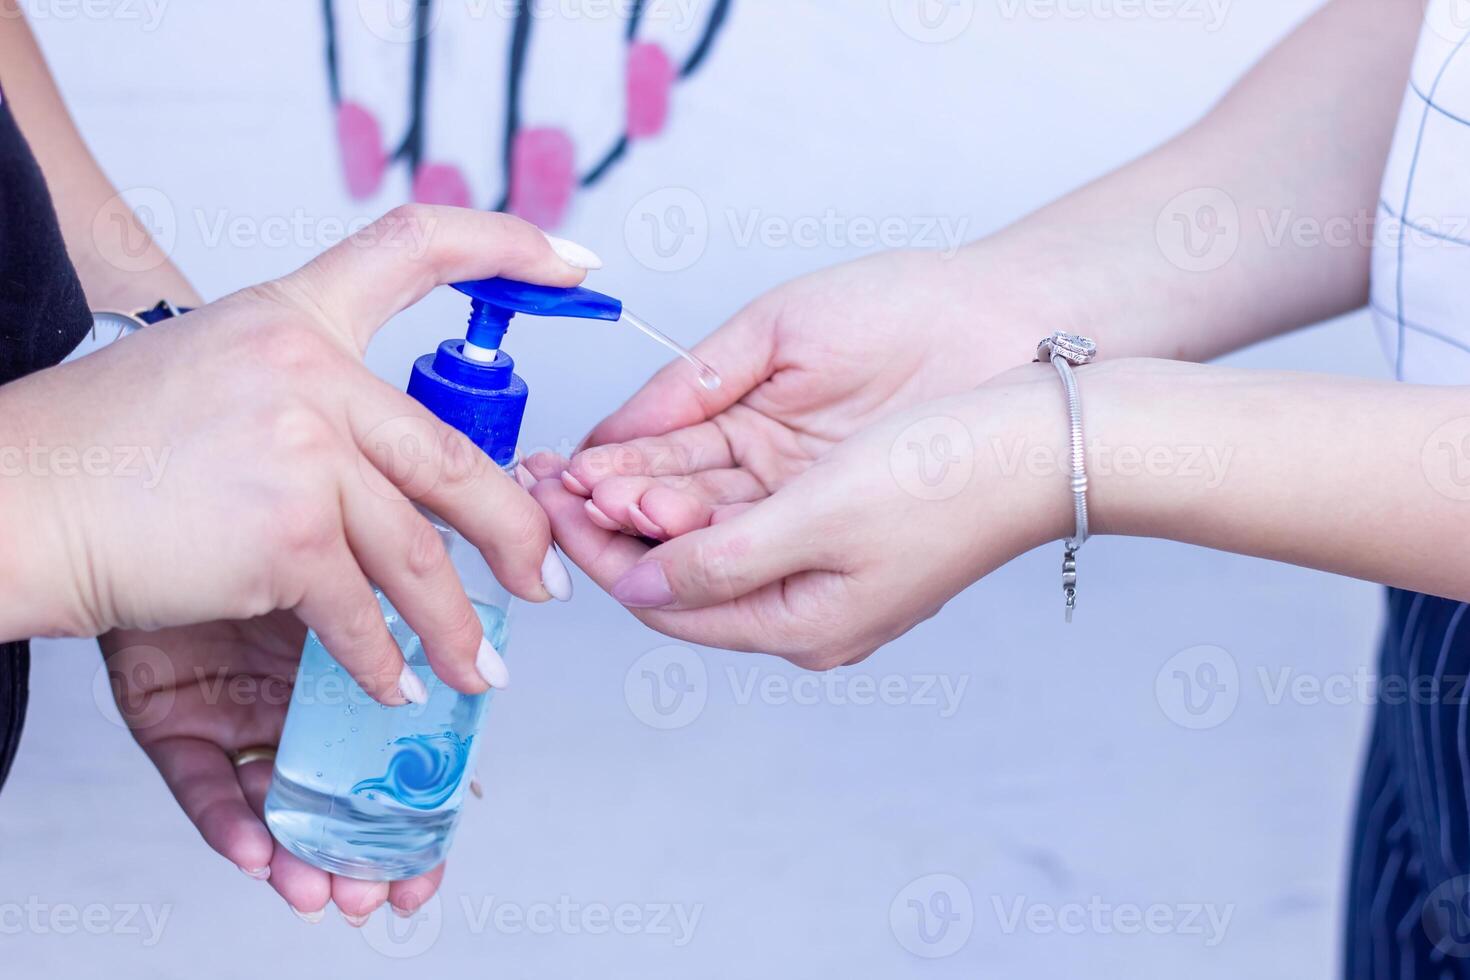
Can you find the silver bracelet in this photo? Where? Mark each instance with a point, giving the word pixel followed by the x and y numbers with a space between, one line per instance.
pixel 1065 351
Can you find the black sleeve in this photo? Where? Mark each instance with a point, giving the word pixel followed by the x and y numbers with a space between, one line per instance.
pixel 43 316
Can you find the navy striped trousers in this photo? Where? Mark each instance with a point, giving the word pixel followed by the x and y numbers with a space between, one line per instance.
pixel 1408 908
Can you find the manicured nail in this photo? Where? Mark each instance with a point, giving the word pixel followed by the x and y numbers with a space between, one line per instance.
pixel 259 874
pixel 574 255
pixel 524 477
pixel 491 667
pixel 357 921
pixel 601 519
pixel 555 577
pixel 402 913
pixel 411 687
pixel 645 527
pixel 573 484
pixel 311 918
pixel 644 586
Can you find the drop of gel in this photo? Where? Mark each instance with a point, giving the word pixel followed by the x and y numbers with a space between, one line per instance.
pixel 709 378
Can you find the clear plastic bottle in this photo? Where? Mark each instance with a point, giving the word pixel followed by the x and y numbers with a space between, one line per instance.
pixel 374 792
pixel 368 791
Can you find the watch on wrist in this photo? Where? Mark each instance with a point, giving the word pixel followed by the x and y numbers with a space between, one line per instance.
pixel 110 326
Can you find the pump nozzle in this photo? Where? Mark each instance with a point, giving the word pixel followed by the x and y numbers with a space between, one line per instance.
pixel 497 300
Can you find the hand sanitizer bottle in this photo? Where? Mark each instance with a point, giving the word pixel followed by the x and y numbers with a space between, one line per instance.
pixel 372 792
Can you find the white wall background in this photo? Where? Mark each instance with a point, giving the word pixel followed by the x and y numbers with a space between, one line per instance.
pixel 1062 779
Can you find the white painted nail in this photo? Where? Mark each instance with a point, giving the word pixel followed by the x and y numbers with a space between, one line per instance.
pixel 259 874
pixel 491 667
pixel 524 477
pixel 574 255
pixel 411 687
pixel 309 917
pixel 357 921
pixel 555 577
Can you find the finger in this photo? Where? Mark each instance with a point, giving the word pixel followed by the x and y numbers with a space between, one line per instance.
pixel 306 889
pixel 204 781
pixel 730 559
pixel 348 619
pixel 407 897
pixel 675 512
pixel 545 466
pixel 596 515
pixel 633 501
pixel 393 263
pixel 437 466
pixel 742 352
pixel 764 620
pixel 603 554
pixel 729 512
pixel 617 500
pixel 404 554
pixel 357 900
pixel 683 451
pixel 704 499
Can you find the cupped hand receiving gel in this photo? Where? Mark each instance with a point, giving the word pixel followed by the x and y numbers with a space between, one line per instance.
pixel 289 481
pixel 863 544
pixel 803 368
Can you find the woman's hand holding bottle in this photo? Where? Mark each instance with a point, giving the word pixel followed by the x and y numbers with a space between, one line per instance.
pixel 274 505
pixel 296 487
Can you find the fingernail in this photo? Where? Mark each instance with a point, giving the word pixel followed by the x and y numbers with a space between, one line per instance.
pixel 311 918
pixel 259 874
pixel 357 921
pixel 645 527
pixel 601 519
pixel 411 687
pixel 402 913
pixel 574 255
pixel 555 577
pixel 491 667
pixel 524 477
pixel 573 484
pixel 644 586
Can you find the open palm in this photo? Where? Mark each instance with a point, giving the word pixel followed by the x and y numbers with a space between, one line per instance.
pixel 195 695
pixel 804 367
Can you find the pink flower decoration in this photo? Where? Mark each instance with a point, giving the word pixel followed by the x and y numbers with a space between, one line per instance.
pixel 364 161
pixel 650 80
pixel 543 176
pixel 440 183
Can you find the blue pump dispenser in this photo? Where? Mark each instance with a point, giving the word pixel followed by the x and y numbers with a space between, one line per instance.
pixel 497 300
pixel 471 384
pixel 374 792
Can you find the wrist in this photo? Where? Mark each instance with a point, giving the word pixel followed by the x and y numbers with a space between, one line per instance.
pixel 39 589
pixel 1021 490
pixel 1152 467
pixel 1014 299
